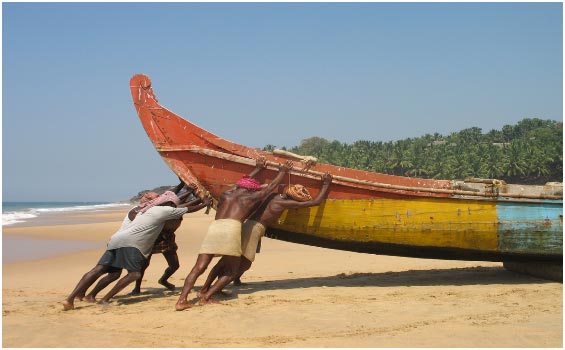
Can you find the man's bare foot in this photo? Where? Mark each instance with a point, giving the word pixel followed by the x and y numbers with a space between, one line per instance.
pixel 203 301
pixel 67 305
pixel 135 291
pixel 167 285
pixel 89 299
pixel 103 303
pixel 201 292
pixel 182 305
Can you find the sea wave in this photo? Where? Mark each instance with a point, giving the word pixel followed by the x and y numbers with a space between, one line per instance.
pixel 81 207
pixel 10 217
pixel 16 217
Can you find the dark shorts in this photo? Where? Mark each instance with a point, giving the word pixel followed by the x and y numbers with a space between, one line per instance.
pixel 128 258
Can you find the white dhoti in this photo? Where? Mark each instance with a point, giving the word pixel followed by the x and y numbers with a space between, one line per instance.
pixel 251 233
pixel 223 238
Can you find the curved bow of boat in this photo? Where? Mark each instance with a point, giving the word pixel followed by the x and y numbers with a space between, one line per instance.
pixel 156 122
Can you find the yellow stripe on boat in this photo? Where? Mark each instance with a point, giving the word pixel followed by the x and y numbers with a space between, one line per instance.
pixel 417 222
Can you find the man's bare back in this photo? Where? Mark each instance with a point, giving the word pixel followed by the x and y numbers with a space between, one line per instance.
pixel 238 203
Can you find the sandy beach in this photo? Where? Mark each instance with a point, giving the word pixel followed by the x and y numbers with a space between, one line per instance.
pixel 295 296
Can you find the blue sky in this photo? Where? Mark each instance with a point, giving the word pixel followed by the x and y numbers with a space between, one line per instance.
pixel 257 74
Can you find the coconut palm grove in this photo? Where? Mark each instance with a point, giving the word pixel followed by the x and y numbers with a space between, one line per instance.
pixel 529 152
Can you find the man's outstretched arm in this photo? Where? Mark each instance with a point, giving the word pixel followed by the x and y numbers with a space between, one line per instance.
pixel 283 169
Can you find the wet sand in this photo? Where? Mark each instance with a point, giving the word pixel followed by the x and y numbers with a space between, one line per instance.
pixel 295 296
pixel 16 248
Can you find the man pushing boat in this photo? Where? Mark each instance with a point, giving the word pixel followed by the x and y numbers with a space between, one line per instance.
pixel 224 234
pixel 292 197
pixel 130 246
pixel 166 245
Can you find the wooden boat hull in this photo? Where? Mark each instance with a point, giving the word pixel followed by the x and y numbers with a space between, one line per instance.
pixel 370 212
pixel 427 227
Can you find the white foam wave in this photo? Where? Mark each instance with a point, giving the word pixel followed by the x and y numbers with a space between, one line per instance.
pixel 80 207
pixel 14 217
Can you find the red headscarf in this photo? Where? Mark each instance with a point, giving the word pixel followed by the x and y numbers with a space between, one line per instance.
pixel 249 183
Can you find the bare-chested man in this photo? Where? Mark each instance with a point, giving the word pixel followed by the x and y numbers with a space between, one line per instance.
pixel 293 197
pixel 224 234
pixel 166 245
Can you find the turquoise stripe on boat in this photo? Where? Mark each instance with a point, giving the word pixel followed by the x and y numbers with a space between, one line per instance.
pixel 530 228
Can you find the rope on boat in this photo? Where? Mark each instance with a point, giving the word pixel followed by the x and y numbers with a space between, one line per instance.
pixel 316 174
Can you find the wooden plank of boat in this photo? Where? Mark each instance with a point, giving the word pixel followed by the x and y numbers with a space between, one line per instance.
pixel 366 211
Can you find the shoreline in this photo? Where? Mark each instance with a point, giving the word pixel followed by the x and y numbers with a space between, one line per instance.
pixel 57 216
pixel 37 238
pixel 295 296
pixel 21 249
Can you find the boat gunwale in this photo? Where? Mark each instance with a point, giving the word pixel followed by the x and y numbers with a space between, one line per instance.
pixel 316 174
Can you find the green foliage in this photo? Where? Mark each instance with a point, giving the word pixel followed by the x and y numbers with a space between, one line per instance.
pixel 529 152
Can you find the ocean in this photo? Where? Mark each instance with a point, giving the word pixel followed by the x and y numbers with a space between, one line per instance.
pixel 29 212
pixel 20 248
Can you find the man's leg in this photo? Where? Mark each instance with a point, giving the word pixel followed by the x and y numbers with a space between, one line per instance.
pixel 122 283
pixel 229 273
pixel 243 266
pixel 103 283
pixel 86 281
pixel 173 261
pixel 214 273
pixel 200 266
pixel 137 289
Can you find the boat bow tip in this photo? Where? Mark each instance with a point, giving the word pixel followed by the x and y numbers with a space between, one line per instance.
pixel 141 91
pixel 140 80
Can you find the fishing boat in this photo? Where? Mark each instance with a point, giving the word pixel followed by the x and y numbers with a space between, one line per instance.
pixel 471 219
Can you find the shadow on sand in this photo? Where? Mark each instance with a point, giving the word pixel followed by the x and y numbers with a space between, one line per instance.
pixel 434 277
pixel 147 294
